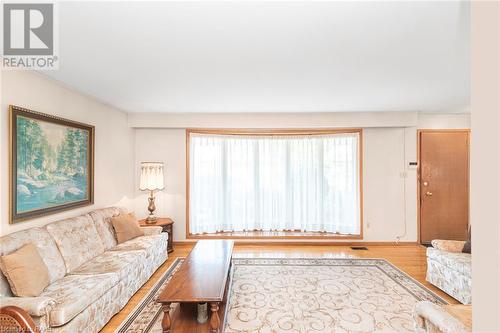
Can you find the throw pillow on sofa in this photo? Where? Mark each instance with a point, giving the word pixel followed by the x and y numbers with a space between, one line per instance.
pixel 25 270
pixel 126 227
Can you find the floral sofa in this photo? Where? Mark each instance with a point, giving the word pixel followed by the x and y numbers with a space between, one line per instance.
pixel 92 277
pixel 449 269
pixel 432 318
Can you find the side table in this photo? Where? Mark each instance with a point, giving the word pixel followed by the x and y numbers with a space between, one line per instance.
pixel 167 226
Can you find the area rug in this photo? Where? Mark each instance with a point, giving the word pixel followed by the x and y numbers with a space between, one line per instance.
pixel 305 295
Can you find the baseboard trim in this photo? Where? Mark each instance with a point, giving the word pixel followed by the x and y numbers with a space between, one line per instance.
pixel 305 242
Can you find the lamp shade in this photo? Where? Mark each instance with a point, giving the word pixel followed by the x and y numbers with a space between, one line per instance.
pixel 151 176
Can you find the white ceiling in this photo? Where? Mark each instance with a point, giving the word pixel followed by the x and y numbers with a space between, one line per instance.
pixel 268 56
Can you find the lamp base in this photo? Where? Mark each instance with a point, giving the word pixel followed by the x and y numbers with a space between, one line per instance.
pixel 151 219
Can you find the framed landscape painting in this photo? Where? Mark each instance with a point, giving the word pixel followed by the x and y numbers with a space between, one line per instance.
pixel 51 164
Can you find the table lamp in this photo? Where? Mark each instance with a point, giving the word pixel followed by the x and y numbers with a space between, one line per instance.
pixel 151 180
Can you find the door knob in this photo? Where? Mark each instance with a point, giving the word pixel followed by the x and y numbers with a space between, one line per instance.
pixel 425 183
pixel 429 194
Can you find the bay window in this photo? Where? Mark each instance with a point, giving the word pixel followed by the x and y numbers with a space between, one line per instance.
pixel 245 181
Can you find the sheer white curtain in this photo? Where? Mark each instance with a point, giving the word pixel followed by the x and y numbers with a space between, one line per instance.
pixel 307 183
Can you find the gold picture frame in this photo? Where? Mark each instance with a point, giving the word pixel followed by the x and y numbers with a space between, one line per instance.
pixel 51 164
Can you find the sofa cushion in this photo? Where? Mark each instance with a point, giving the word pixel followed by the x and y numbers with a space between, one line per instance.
pixel 102 221
pixel 46 247
pixel 97 314
pixel 77 239
pixel 148 243
pixel 74 293
pixel 25 270
pixel 120 263
pixel 459 262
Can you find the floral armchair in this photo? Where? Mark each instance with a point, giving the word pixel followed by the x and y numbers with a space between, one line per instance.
pixel 449 269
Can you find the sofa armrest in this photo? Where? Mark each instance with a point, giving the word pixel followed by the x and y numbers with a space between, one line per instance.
pixel 35 306
pixel 153 230
pixel 426 313
pixel 448 245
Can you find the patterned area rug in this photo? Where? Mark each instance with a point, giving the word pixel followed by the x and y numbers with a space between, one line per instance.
pixel 305 295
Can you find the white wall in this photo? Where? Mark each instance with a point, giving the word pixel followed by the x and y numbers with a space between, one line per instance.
pixel 273 120
pixel 114 147
pixel 485 165
pixel 388 212
pixel 442 121
pixel 167 146
pixel 390 186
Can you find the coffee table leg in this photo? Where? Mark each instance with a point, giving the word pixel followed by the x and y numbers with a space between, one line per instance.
pixel 166 322
pixel 214 318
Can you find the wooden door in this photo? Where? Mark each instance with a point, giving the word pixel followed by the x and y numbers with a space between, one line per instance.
pixel 443 184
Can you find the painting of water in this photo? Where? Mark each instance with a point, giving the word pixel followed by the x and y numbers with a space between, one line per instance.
pixel 52 164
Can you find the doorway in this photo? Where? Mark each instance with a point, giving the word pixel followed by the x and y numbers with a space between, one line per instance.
pixel 443 184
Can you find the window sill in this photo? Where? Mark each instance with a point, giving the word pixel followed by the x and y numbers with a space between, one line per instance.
pixel 274 235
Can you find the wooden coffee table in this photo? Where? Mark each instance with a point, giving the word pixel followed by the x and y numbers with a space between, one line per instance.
pixel 203 277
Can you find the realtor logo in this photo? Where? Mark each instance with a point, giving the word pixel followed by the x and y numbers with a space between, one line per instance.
pixel 28 36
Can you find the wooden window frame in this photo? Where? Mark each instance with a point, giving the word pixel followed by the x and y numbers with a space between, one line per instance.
pixel 284 235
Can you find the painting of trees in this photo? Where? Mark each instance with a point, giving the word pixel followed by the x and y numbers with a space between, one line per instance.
pixel 33 148
pixel 37 157
pixel 72 153
pixel 52 163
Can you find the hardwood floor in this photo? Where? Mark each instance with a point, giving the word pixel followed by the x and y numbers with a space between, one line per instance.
pixel 409 258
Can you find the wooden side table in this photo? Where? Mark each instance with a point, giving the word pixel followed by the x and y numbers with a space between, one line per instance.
pixel 167 226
